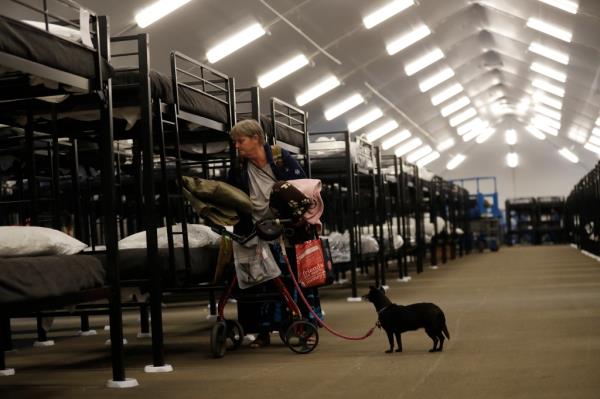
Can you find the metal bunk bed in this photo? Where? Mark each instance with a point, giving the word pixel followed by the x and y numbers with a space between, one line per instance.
pixel 347 169
pixel 27 52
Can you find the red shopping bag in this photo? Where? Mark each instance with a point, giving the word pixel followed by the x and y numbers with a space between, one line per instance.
pixel 314 268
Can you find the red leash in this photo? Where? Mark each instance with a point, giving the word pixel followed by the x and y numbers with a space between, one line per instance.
pixel 310 309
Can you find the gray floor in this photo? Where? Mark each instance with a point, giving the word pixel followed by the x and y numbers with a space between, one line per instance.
pixel 524 323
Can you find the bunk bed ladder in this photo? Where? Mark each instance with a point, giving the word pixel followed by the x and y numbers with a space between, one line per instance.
pixel 173 196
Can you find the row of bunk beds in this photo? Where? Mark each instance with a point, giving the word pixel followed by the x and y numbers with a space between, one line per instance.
pixel 582 217
pixel 108 163
pixel 106 155
pixel 380 212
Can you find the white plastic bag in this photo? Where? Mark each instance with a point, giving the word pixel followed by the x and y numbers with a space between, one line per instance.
pixel 254 263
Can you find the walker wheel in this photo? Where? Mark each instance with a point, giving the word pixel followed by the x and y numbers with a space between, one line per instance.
pixel 302 337
pixel 218 340
pixel 235 334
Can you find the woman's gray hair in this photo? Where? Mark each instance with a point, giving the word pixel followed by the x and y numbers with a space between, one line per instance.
pixel 248 128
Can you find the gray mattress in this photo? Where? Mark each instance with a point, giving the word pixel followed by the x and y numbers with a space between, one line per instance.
pixel 25 41
pixel 40 277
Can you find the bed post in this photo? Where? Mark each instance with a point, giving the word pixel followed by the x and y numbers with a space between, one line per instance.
pixel 158 358
pixel 110 225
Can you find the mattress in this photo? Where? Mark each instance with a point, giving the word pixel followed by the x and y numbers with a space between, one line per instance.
pixel 25 41
pixel 284 133
pixel 162 88
pixel 41 277
pixel 133 264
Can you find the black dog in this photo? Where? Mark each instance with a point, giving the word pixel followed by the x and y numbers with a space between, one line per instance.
pixel 396 319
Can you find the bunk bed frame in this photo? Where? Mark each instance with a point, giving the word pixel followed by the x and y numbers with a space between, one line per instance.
pixel 98 86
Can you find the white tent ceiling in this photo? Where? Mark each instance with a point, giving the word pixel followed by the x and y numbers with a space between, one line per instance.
pixel 484 42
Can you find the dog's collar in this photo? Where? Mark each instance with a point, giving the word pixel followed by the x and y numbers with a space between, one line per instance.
pixel 382 309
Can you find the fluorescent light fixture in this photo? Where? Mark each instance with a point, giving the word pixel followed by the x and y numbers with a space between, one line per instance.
pixel 385 12
pixel 235 42
pixel 419 153
pixel 549 72
pixel 565 5
pixel 510 136
pixel 327 84
pixel 523 106
pixel 543 98
pixel 474 123
pixel 344 106
pixel 549 112
pixel 596 131
pixel 463 116
pixel 547 52
pixel 565 152
pixel 487 133
pixel 435 80
pixel 549 87
pixel 535 132
pixel 512 159
pixel 577 134
pixel 368 117
pixel 598 121
pixel 287 68
pixel 444 145
pixel 595 140
pixel 408 147
pixel 423 62
pixel 592 148
pixel 454 162
pixel 407 39
pixel 471 135
pixel 549 29
pixel 455 106
pixel 539 120
pixel 426 160
pixel 547 129
pixel 157 10
pixel 381 130
pixel 395 139
pixel 445 94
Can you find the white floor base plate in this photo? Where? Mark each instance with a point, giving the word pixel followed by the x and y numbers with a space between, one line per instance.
pixel 433 267
pixel 404 279
pixel 87 333
pixel 167 368
pixel 211 317
pixel 107 327
pixel 107 342
pixel 41 344
pixel 7 372
pixel 385 287
pixel 354 299
pixel 128 383
pixel 144 335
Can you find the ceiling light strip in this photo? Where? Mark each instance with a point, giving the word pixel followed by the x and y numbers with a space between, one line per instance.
pixel 549 29
pixel 386 12
pixel 344 106
pixel 423 62
pixel 324 86
pixel 454 162
pixel 281 71
pixel 407 39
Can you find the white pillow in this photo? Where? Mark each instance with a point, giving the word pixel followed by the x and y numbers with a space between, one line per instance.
pixel 35 241
pixel 199 235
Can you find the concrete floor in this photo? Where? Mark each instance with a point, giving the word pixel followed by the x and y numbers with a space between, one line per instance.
pixel 524 323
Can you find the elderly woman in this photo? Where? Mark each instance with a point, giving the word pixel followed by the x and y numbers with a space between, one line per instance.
pixel 258 172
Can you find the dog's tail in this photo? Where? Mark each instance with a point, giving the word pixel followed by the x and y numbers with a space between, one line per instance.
pixel 445 329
